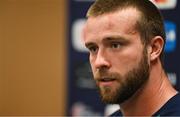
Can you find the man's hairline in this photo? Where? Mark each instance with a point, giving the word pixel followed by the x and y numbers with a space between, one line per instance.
pixel 138 19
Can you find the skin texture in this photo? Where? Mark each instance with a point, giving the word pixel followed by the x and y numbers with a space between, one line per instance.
pixel 116 49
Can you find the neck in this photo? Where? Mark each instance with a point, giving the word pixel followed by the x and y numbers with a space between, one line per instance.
pixel 152 96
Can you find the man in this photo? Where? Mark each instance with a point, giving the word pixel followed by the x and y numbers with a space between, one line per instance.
pixel 126 40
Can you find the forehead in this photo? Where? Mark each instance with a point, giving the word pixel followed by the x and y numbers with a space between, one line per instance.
pixel 120 21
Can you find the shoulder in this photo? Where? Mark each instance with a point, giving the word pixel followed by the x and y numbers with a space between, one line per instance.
pixel 116 114
pixel 171 108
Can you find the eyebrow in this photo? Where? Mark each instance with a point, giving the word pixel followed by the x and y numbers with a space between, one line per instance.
pixel 116 38
pixel 107 39
pixel 88 44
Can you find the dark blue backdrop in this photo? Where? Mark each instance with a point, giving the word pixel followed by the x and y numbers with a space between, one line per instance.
pixel 82 96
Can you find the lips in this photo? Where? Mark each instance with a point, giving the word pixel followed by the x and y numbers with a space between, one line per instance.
pixel 106 81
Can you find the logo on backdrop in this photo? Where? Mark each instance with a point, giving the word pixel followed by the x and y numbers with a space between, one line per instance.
pixel 165 4
pixel 170 29
pixel 77 39
pixel 173 78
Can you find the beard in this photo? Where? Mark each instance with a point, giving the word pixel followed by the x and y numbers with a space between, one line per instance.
pixel 128 84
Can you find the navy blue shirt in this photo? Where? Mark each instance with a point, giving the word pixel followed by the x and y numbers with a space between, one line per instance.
pixel 170 108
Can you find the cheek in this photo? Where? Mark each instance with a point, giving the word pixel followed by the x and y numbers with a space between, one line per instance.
pixel 91 60
pixel 125 62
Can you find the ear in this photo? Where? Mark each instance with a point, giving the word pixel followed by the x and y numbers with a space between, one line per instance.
pixel 157 44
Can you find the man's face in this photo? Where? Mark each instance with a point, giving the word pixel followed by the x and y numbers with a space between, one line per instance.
pixel 118 58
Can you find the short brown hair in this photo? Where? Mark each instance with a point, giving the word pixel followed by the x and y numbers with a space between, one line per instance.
pixel 149 24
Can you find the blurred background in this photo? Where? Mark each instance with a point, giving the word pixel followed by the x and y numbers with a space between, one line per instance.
pixel 44 68
pixel 33 55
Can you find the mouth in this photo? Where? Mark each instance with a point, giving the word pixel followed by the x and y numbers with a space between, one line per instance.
pixel 106 81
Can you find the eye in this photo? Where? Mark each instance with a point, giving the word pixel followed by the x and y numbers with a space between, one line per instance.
pixel 115 45
pixel 93 49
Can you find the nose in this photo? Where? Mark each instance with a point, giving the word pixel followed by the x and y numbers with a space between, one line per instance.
pixel 102 61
